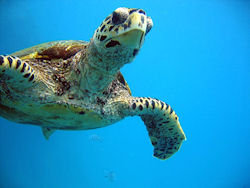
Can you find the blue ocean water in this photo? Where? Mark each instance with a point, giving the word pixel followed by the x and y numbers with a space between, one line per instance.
pixel 196 58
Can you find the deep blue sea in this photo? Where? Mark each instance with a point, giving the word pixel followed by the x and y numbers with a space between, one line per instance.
pixel 196 58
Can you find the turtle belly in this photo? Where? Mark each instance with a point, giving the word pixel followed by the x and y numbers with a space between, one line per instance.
pixel 57 116
pixel 69 117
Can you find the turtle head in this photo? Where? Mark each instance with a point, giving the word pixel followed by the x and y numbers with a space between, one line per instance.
pixel 120 36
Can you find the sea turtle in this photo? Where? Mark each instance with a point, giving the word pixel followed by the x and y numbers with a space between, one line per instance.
pixel 77 85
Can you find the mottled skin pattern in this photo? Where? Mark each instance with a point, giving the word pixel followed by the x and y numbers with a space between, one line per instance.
pixel 76 85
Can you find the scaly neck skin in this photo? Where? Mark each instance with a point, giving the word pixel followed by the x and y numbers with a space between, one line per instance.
pixel 98 71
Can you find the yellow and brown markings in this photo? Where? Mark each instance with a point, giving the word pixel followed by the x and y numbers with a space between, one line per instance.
pixel 54 50
pixel 60 52
pixel 14 63
pixel 33 55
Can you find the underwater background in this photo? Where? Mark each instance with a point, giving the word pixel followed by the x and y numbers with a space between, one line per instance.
pixel 196 58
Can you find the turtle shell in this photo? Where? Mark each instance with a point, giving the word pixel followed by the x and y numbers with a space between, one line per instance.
pixel 62 49
pixel 68 116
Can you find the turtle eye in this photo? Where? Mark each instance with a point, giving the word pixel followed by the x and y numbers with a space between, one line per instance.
pixel 142 11
pixel 133 10
pixel 149 24
pixel 119 16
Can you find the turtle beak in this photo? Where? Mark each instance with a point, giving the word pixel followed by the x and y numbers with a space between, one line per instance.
pixel 133 38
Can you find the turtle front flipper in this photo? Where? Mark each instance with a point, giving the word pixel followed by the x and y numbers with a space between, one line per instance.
pixel 16 73
pixel 17 81
pixel 162 123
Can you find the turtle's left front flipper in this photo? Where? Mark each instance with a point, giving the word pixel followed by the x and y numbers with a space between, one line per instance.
pixel 162 123
pixel 15 73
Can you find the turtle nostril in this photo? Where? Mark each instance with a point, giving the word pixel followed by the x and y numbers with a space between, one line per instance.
pixel 119 16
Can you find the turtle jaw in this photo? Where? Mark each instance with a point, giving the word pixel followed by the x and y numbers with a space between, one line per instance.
pixel 133 38
pixel 123 28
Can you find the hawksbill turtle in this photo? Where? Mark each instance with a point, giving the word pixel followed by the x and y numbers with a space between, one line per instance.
pixel 77 85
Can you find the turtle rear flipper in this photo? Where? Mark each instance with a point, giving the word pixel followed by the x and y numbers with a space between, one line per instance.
pixel 162 123
pixel 47 132
pixel 15 73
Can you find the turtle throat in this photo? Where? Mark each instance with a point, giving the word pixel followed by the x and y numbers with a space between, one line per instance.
pixel 97 71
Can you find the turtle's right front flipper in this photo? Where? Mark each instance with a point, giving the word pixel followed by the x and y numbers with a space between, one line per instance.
pixel 15 73
pixel 161 121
